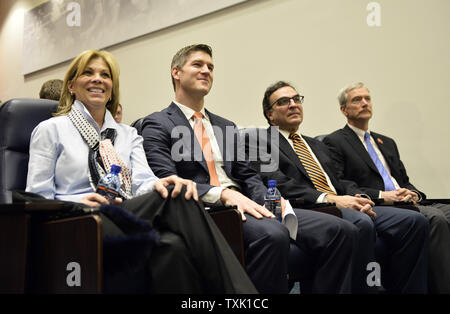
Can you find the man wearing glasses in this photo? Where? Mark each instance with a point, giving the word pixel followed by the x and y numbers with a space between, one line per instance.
pixel 372 161
pixel 307 171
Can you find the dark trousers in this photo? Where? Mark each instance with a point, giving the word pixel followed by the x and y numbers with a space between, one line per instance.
pixel 401 247
pixel 444 208
pixel 439 252
pixel 266 245
pixel 325 248
pixel 192 256
pixel 365 249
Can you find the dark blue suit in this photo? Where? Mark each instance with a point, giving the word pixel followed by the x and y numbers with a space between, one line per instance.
pixel 402 235
pixel 266 241
pixel 170 146
pixel 354 163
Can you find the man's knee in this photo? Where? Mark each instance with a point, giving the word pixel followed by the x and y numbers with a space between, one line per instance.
pixel 347 229
pixel 361 220
pixel 173 245
pixel 268 231
pixel 418 222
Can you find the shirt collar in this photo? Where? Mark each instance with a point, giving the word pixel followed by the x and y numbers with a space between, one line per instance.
pixel 358 131
pixel 188 112
pixel 108 122
pixel 286 134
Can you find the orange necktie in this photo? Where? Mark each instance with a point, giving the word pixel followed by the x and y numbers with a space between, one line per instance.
pixel 203 139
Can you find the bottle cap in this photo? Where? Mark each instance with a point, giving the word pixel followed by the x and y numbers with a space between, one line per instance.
pixel 116 168
pixel 272 183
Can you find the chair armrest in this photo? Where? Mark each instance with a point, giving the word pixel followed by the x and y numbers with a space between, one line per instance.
pixel 38 246
pixel 404 205
pixel 430 201
pixel 229 222
pixel 70 240
pixel 328 208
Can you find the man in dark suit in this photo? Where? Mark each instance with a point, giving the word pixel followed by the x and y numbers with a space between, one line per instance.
pixel 306 170
pixel 188 140
pixel 372 161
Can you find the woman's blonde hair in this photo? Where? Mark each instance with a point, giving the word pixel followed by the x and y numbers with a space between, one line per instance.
pixel 76 68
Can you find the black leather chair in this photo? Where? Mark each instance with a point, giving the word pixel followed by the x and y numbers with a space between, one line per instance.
pixel 320 137
pixel 138 125
pixel 36 252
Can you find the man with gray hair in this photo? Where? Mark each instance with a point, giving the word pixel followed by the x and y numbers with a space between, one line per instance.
pixel 372 161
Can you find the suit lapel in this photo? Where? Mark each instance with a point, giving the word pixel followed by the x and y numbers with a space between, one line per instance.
pixel 322 158
pixel 179 119
pixel 289 152
pixel 359 148
pixel 383 149
pixel 317 151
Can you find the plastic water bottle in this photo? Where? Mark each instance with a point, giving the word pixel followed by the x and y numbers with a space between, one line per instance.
pixel 109 185
pixel 272 199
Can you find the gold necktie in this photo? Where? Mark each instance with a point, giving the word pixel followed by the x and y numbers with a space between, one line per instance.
pixel 312 168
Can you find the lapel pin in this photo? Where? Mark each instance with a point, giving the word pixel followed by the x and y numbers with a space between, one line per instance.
pixel 379 140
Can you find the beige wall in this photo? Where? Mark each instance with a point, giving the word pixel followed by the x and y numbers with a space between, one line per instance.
pixel 318 45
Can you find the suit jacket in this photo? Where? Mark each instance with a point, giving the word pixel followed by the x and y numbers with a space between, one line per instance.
pixel 292 178
pixel 172 148
pixel 354 162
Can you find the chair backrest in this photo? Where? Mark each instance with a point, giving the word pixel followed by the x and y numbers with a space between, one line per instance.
pixel 321 137
pixel 138 125
pixel 18 118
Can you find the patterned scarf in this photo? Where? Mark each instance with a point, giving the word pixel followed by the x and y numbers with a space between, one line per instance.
pixel 101 153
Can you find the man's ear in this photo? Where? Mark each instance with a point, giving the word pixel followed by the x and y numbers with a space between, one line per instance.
pixel 175 73
pixel 269 115
pixel 344 110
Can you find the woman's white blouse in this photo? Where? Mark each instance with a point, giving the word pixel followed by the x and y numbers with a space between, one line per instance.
pixel 58 166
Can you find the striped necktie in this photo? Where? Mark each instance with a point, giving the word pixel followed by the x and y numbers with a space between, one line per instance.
pixel 312 168
pixel 204 141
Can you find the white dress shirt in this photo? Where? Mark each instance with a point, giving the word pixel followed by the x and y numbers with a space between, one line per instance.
pixel 213 195
pixel 321 198
pixel 58 166
pixel 360 134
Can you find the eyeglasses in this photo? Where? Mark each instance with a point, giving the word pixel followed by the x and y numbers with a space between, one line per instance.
pixel 285 101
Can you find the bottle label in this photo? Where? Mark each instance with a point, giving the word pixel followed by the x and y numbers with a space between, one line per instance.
pixel 274 206
pixel 109 194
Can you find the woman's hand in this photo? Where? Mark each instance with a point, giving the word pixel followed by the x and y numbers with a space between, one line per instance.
pixel 95 200
pixel 191 188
